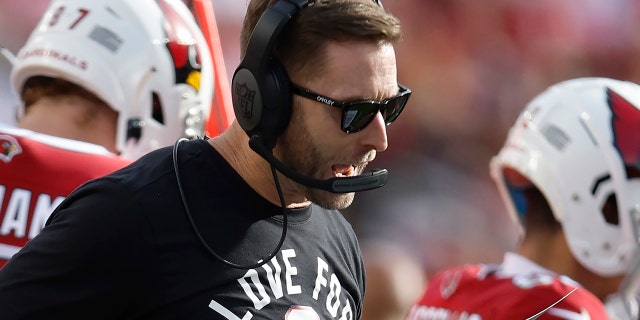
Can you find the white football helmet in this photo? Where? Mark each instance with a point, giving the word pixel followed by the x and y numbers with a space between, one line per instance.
pixel 578 142
pixel 147 59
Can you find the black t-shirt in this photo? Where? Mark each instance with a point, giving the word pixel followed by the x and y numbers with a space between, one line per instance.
pixel 122 247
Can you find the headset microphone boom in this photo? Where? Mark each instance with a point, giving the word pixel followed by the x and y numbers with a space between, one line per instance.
pixel 367 181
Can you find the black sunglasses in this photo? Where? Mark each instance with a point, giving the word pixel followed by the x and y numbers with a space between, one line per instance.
pixel 356 115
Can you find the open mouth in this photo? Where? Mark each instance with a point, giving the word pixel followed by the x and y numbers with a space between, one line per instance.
pixel 343 170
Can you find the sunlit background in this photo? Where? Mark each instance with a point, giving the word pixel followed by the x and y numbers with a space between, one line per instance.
pixel 472 66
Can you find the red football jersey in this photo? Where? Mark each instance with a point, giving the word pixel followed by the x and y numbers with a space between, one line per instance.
pixel 496 292
pixel 36 173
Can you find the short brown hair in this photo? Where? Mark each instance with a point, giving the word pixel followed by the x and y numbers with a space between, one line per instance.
pixel 39 87
pixel 301 45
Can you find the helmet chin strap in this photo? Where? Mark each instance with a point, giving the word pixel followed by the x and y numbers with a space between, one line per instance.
pixel 8 55
pixel 129 146
pixel 18 107
pixel 624 303
pixel 194 119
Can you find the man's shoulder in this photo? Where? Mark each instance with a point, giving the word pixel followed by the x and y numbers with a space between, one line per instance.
pixel 61 162
pixel 193 165
pixel 490 280
pixel 53 142
pixel 486 292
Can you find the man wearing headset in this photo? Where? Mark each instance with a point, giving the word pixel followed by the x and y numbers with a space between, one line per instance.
pixel 569 176
pixel 100 87
pixel 244 225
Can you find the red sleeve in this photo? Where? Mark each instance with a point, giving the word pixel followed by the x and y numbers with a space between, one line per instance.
pixel 471 292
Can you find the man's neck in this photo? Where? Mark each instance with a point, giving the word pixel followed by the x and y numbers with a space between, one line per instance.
pixel 551 251
pixel 233 145
pixel 70 118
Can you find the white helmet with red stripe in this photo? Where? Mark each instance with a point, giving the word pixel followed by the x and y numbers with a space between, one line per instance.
pixel 578 142
pixel 147 59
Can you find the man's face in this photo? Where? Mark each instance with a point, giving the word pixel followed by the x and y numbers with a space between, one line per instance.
pixel 314 143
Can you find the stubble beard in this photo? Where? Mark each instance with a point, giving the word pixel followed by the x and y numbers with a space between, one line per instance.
pixel 299 151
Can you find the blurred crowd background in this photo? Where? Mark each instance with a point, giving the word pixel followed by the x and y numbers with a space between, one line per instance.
pixel 472 65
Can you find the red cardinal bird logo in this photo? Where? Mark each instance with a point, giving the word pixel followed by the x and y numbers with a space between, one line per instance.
pixel 625 123
pixel 181 43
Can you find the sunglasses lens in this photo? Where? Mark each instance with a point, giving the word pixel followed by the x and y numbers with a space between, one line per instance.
pixel 358 116
pixel 393 109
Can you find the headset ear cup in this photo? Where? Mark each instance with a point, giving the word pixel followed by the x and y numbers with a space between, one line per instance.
pixel 247 100
pixel 261 91
pixel 262 107
pixel 278 100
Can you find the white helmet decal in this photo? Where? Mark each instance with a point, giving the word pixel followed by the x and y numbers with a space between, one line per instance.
pixel 578 142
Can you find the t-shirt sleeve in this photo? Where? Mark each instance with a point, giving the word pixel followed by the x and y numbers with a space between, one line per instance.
pixel 74 266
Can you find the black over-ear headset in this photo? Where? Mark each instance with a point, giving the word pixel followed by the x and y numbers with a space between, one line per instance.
pixel 262 99
pixel 260 87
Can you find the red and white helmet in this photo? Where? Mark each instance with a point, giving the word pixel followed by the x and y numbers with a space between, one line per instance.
pixel 147 59
pixel 578 142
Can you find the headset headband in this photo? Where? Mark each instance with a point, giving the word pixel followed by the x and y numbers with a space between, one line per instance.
pixel 260 86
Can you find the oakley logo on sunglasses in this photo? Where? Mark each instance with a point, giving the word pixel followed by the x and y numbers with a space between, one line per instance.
pixel 357 115
pixel 325 100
